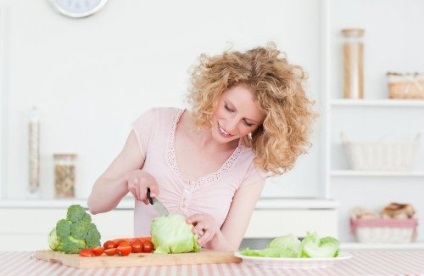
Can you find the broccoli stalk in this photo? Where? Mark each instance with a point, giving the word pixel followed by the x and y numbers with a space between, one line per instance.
pixel 75 232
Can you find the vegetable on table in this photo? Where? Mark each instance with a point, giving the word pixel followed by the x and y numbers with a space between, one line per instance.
pixel 75 232
pixel 289 246
pixel 172 234
pixel 315 247
pixel 122 247
pixel 86 253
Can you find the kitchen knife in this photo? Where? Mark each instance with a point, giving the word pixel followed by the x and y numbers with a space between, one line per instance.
pixel 159 207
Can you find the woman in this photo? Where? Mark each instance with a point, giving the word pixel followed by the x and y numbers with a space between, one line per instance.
pixel 249 119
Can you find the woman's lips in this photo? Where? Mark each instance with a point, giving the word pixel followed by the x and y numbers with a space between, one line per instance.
pixel 223 132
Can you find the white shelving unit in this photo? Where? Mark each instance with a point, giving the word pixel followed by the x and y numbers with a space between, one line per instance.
pixel 375 117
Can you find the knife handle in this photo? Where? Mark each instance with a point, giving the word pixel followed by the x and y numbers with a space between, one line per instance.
pixel 149 197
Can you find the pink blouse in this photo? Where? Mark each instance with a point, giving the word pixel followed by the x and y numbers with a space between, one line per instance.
pixel 211 194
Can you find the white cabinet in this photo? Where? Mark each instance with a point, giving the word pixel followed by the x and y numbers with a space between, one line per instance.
pixel 374 118
pixel 27 228
pixel 274 223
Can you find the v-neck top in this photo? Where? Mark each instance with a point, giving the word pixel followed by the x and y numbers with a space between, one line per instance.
pixel 211 194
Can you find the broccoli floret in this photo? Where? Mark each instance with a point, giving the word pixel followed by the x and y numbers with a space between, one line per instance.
pixel 63 228
pixel 75 213
pixel 71 245
pixel 79 229
pixel 75 232
pixel 86 218
pixel 93 236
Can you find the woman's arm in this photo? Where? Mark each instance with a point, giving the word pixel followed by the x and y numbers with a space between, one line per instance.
pixel 112 185
pixel 234 228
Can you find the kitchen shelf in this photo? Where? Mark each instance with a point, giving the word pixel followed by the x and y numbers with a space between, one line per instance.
pixel 377 103
pixel 376 173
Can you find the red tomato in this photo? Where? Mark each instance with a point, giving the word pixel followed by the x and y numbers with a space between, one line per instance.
pixel 123 243
pixel 124 249
pixel 147 246
pixel 111 251
pixel 137 246
pixel 86 253
pixel 142 239
pixel 109 244
pixel 98 250
pixel 117 241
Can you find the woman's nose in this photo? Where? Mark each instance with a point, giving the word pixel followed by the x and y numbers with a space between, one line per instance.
pixel 231 125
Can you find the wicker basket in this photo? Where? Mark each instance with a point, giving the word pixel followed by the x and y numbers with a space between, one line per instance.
pixel 405 86
pixel 381 156
pixel 384 230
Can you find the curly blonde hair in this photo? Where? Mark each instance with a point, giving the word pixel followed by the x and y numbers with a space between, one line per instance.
pixel 277 86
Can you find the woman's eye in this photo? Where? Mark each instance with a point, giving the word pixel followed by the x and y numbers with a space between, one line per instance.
pixel 248 124
pixel 229 109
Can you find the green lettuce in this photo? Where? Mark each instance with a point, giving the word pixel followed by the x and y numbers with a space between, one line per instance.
pixel 290 243
pixel 270 252
pixel 289 246
pixel 315 247
pixel 172 234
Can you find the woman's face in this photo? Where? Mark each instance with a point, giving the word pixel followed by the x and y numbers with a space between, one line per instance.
pixel 236 115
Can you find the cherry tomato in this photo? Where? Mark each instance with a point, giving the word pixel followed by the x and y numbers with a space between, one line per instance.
pixel 86 253
pixel 117 241
pixel 98 250
pixel 137 246
pixel 111 251
pixel 123 243
pixel 142 239
pixel 109 244
pixel 147 246
pixel 124 249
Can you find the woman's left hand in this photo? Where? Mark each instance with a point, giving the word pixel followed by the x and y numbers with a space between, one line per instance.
pixel 204 226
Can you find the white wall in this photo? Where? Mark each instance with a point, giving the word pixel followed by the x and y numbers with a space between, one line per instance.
pixel 90 78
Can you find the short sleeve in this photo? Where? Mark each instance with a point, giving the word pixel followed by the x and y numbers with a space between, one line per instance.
pixel 253 175
pixel 143 128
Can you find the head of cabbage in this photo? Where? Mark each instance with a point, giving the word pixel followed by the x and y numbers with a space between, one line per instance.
pixel 172 234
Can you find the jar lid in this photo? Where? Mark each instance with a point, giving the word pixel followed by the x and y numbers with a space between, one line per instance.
pixel 353 31
pixel 65 155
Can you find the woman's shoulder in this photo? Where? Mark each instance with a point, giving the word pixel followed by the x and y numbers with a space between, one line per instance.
pixel 247 157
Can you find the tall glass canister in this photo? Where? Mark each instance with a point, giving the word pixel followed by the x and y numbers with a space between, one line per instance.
pixel 34 153
pixel 353 63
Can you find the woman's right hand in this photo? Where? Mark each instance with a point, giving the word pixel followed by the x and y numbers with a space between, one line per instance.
pixel 138 182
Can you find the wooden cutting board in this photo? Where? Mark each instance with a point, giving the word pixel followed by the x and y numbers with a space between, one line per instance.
pixel 137 259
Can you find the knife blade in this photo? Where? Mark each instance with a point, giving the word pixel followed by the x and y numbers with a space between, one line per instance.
pixel 159 207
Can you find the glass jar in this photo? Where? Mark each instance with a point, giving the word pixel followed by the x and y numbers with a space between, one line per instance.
pixel 64 174
pixel 353 63
pixel 34 152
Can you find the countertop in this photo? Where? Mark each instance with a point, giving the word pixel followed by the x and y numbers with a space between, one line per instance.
pixel 375 262
pixel 128 203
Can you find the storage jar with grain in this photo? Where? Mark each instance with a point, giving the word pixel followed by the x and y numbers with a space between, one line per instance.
pixel 353 65
pixel 64 174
